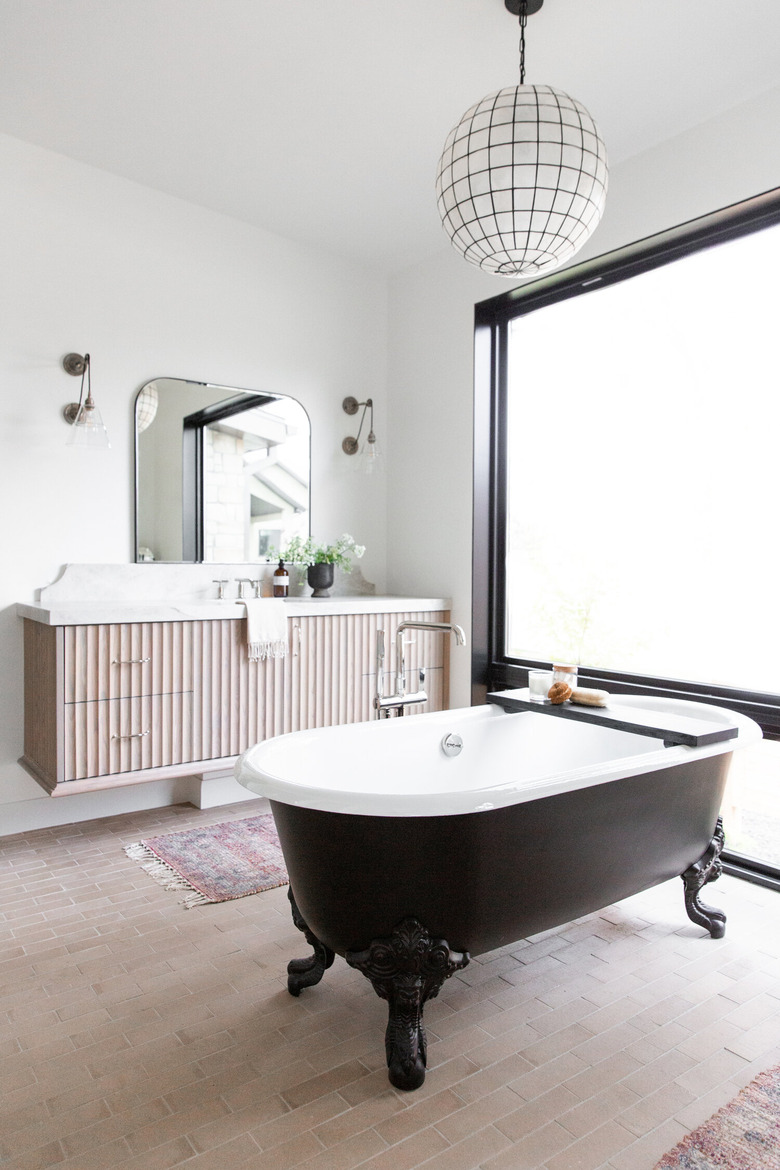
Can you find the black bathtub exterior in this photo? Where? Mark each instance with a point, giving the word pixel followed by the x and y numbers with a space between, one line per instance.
pixel 407 900
pixel 485 879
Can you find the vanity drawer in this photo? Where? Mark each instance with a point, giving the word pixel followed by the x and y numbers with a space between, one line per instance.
pixel 128 659
pixel 108 736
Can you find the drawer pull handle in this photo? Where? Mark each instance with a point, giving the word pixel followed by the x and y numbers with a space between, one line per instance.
pixel 138 735
pixel 130 661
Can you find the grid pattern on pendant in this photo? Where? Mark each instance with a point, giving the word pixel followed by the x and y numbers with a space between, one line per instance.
pixel 522 180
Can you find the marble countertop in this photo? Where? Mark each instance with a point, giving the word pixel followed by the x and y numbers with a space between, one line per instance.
pixel 97 612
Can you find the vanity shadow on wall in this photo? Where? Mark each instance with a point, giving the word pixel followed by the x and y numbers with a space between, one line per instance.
pixel 221 474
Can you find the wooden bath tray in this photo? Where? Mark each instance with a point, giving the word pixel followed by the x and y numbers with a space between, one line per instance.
pixel 671 728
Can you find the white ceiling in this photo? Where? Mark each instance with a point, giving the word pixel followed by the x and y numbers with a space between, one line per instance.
pixel 323 120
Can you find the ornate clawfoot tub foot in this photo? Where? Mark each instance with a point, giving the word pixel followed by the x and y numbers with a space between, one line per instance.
pixel 306 972
pixel 407 969
pixel 706 869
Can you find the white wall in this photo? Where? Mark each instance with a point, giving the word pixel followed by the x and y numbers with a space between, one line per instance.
pixel 151 286
pixel 430 379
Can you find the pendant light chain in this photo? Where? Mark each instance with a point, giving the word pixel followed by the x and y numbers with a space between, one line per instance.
pixel 523 22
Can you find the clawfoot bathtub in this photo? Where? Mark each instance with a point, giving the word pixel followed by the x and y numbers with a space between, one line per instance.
pixel 413 843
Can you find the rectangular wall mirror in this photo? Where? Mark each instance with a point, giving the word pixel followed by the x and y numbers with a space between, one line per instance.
pixel 221 474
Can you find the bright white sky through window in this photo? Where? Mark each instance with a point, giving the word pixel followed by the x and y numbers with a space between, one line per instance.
pixel 643 439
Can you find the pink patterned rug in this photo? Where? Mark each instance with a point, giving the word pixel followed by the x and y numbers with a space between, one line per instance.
pixel 743 1135
pixel 215 863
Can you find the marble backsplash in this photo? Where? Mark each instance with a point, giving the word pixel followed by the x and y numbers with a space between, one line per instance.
pixel 156 581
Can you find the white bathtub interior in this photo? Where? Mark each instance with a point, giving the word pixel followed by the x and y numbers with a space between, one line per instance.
pixel 397 767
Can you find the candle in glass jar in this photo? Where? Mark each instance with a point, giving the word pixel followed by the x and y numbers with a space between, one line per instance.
pixel 539 683
pixel 567 674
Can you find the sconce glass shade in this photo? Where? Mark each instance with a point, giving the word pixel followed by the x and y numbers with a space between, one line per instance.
pixel 88 429
pixel 522 180
pixel 369 458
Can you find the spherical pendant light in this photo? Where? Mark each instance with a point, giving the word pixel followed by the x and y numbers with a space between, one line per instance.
pixel 522 180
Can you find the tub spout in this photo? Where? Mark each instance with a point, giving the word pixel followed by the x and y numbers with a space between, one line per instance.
pixel 460 637
pixel 383 703
pixel 442 627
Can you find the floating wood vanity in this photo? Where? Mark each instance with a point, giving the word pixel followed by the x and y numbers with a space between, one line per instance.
pixel 120 693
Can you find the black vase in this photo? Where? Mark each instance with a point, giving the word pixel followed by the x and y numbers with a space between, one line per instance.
pixel 320 578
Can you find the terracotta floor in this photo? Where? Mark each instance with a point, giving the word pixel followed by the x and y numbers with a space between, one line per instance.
pixel 138 1034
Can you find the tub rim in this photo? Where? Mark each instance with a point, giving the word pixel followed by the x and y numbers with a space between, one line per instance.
pixel 250 772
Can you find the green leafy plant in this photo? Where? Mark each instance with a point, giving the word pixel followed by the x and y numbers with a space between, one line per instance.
pixel 298 551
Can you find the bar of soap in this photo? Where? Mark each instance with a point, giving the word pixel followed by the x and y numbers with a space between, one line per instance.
pixel 589 697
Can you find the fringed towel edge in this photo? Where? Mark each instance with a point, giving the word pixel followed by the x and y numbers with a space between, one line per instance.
pixel 258 651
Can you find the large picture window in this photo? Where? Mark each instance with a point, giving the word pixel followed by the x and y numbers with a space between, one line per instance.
pixel 628 426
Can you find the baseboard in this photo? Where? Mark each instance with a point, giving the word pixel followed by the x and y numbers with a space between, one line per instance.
pixel 219 788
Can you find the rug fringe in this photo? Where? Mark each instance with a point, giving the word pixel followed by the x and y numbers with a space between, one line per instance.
pixel 165 875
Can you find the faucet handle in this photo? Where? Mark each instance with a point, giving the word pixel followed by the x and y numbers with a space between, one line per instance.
pixel 220 582
pixel 256 583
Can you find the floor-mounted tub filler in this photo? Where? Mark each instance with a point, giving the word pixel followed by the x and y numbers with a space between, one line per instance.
pixel 413 843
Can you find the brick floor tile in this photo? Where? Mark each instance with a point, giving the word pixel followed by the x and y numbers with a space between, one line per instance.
pixel 535 1114
pixel 593 1148
pixel 585 1116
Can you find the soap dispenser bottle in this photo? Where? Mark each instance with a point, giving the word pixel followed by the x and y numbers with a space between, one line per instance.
pixel 281 581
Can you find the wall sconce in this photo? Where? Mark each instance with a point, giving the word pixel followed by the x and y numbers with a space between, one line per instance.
pixel 87 425
pixel 369 452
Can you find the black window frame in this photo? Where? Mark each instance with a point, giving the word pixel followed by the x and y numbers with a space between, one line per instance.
pixel 492 668
pixel 193 445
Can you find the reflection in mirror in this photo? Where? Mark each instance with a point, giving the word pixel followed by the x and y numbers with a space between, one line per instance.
pixel 222 475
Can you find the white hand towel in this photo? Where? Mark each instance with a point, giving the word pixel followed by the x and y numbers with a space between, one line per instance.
pixel 266 628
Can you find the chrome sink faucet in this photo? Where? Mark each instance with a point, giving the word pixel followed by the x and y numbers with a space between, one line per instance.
pixel 383 704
